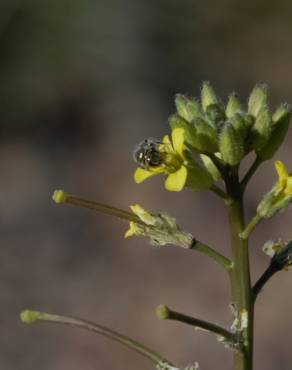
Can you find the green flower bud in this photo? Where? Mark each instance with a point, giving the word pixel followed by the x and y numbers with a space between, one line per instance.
pixel 187 108
pixel 215 115
pixel 258 99
pixel 233 106
pixel 208 96
pixel 238 122
pixel 231 145
pixel 261 130
pixel 281 119
pixel 210 167
pixel 176 121
pixel 204 136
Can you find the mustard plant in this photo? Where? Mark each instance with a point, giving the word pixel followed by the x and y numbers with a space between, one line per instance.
pixel 207 144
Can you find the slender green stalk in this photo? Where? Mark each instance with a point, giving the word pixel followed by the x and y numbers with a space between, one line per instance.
pixel 249 228
pixel 163 312
pixel 61 197
pixel 36 316
pixel 212 253
pixel 257 162
pixel 242 296
pixel 221 194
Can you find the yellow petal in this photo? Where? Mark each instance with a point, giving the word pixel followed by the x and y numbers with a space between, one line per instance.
pixel 176 180
pixel 140 174
pixel 282 173
pixel 166 140
pixel 132 230
pixel 288 188
pixel 178 138
pixel 144 215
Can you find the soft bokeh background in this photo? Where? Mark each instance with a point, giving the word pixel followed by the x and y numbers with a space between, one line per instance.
pixel 81 82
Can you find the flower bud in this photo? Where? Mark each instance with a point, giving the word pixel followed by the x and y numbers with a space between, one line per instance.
pixel 280 124
pixel 204 136
pixel 187 108
pixel 261 130
pixel 231 145
pixel 239 124
pixel 233 106
pixel 208 95
pixel 258 99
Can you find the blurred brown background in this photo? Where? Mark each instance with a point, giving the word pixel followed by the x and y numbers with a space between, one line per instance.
pixel 81 82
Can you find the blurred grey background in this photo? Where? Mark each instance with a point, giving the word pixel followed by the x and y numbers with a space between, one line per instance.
pixel 81 82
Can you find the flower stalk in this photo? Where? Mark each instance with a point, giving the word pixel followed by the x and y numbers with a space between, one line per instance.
pixel 30 317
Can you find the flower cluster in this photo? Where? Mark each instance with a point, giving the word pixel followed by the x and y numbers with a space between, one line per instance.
pixel 208 137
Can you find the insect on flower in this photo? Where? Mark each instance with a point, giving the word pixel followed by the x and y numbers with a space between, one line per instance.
pixel 147 154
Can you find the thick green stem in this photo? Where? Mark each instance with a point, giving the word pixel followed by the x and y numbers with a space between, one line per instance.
pixel 242 296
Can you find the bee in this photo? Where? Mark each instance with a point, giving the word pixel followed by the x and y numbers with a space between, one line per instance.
pixel 147 154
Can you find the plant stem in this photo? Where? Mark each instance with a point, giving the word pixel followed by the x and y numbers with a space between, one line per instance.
pixel 202 324
pixel 257 162
pixel 96 328
pixel 249 228
pixel 268 273
pixel 221 194
pixel 212 253
pixel 242 296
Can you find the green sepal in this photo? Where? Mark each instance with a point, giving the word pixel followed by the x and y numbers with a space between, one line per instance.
pixel 215 115
pixel 208 95
pixel 210 167
pixel 199 178
pixel 261 130
pixel 205 137
pixel 272 204
pixel 233 106
pixel 231 145
pixel 240 124
pixel 176 121
pixel 258 99
pixel 280 124
pixel 187 108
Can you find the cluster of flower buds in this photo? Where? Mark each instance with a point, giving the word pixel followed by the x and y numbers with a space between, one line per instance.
pixel 231 131
pixel 220 134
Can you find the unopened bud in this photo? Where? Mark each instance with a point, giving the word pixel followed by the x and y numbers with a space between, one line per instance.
pixel 258 99
pixel 162 312
pixel 208 95
pixel 231 145
pixel 233 106
pixel 187 108
pixel 281 119
pixel 261 130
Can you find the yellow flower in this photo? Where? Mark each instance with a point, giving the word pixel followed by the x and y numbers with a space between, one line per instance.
pixel 174 163
pixel 284 184
pixel 280 196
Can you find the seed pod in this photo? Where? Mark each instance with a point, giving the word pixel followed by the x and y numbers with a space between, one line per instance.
pixel 188 108
pixel 231 145
pixel 258 99
pixel 208 95
pixel 281 119
pixel 233 106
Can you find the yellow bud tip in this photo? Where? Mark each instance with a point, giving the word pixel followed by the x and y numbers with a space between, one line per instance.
pixel 162 312
pixel 59 196
pixel 29 317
